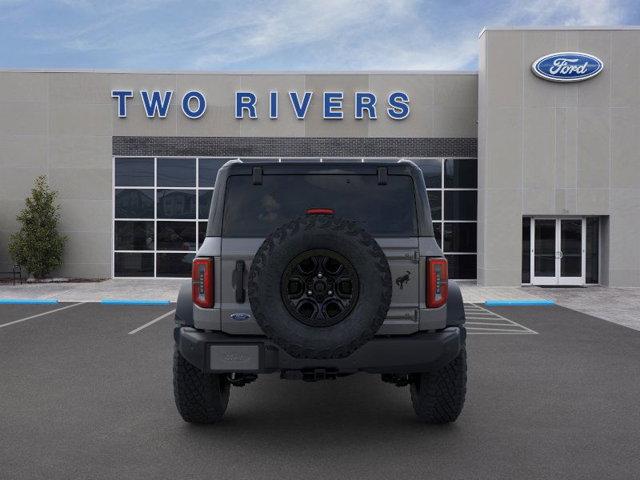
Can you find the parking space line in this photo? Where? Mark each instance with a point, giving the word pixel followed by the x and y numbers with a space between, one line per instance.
pixel 164 315
pixel 484 331
pixel 39 315
pixel 490 324
pixel 498 329
pixel 510 321
pixel 485 321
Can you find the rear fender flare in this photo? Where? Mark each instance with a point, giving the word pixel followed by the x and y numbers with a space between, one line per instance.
pixel 184 307
pixel 455 305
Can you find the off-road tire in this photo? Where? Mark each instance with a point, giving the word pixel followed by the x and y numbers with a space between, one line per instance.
pixel 200 397
pixel 344 237
pixel 438 397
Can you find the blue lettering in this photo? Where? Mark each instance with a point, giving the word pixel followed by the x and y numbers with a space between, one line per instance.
pixel 398 105
pixel 122 96
pixel 332 105
pixel 200 100
pixel 300 109
pixel 246 101
pixel 273 105
pixel 156 105
pixel 365 101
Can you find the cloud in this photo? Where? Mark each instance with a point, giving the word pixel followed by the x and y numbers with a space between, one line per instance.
pixel 569 12
pixel 385 35
pixel 285 34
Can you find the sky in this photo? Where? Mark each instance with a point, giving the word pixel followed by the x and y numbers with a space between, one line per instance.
pixel 277 35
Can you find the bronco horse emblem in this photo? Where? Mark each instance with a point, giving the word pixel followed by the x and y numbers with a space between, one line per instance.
pixel 400 281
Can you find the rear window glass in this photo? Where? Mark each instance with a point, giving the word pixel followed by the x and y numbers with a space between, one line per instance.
pixel 256 210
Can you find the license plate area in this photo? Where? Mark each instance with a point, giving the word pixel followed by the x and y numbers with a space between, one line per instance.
pixel 234 358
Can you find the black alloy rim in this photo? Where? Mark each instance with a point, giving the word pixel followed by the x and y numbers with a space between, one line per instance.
pixel 319 288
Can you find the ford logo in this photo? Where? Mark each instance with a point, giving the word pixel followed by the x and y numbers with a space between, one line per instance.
pixel 239 317
pixel 567 66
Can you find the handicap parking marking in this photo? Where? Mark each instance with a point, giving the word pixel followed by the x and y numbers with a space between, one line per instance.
pixel 157 319
pixel 481 321
pixel 30 317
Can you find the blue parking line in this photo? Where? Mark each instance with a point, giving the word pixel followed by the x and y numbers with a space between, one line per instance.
pixel 115 301
pixel 28 301
pixel 518 303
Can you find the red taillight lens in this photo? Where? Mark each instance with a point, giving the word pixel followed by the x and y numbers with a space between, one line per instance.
pixel 320 211
pixel 437 282
pixel 202 282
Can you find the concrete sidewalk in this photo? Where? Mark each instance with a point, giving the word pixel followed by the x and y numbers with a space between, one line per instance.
pixel 120 288
pixel 618 305
pixel 167 289
pixel 614 304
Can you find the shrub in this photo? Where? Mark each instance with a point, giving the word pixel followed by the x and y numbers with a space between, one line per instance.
pixel 37 246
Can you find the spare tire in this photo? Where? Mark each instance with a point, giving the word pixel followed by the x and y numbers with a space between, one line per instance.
pixel 320 287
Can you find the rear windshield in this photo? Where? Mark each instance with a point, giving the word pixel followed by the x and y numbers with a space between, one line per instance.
pixel 256 210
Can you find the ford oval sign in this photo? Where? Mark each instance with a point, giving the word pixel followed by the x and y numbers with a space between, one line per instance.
pixel 567 66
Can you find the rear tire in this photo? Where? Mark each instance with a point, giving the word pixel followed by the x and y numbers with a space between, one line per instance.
pixel 438 397
pixel 200 397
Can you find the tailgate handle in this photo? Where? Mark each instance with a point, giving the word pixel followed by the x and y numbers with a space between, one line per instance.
pixel 238 281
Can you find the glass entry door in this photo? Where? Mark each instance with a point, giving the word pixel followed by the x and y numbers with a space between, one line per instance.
pixel 558 251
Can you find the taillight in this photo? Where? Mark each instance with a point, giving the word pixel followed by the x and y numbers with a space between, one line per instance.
pixel 202 282
pixel 437 282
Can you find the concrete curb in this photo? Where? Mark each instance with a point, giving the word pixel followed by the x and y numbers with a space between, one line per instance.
pixel 28 301
pixel 518 303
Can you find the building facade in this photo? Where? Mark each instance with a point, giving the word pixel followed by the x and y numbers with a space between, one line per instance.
pixel 529 180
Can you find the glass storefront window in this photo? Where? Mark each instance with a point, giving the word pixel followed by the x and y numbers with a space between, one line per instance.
pixel 134 172
pixel 526 250
pixel 169 198
pixel 462 267
pixel 176 172
pixel 134 203
pixel 460 173
pixel 593 246
pixel 176 203
pixel 174 264
pixel 133 264
pixel 453 204
pixel 176 235
pixel 151 234
pixel 460 237
pixel 133 235
pixel 460 205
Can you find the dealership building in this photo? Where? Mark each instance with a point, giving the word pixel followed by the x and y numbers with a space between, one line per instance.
pixel 532 163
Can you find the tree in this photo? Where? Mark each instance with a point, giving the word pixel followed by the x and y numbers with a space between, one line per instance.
pixel 37 246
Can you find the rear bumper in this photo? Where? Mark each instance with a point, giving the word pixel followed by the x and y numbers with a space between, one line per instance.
pixel 219 352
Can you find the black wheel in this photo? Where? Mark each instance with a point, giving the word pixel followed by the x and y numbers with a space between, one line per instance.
pixel 200 397
pixel 438 397
pixel 320 287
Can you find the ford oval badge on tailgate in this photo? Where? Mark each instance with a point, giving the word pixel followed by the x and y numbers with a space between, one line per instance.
pixel 567 66
pixel 239 317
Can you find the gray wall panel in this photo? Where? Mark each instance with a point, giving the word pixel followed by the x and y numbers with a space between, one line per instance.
pixel 576 145
pixel 65 125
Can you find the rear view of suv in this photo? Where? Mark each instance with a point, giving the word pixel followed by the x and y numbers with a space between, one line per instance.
pixel 317 271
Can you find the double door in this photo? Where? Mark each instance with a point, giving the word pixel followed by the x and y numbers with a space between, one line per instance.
pixel 558 248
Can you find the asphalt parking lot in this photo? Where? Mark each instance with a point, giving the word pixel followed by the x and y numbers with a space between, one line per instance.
pixel 86 394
